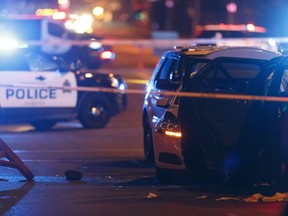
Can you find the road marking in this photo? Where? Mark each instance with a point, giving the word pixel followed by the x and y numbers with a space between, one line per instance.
pixel 77 150
pixel 136 81
pixel 163 93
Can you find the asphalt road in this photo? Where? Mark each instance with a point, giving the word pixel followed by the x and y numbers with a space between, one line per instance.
pixel 116 178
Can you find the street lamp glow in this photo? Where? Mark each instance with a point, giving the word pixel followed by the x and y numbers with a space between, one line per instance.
pixel 63 2
pixel 231 7
pixel 250 27
pixel 84 22
pixel 98 11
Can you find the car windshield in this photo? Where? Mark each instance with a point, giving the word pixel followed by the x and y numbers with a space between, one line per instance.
pixel 13 62
pixel 39 62
pixel 24 29
pixel 19 61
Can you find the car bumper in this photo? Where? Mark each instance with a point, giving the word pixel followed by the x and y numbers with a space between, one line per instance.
pixel 168 153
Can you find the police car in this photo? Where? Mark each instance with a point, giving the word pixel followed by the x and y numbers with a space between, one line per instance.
pixel 42 90
pixel 234 35
pixel 51 37
pixel 163 137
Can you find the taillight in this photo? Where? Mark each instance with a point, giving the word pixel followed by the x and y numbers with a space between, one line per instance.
pixel 169 125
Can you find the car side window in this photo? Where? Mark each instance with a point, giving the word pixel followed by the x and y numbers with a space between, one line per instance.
pixel 40 63
pixel 56 30
pixel 230 77
pixel 284 82
pixel 169 72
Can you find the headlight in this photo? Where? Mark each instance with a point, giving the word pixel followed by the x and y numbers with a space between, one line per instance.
pixel 9 43
pixel 95 45
pixel 170 126
pixel 107 55
pixel 122 86
pixel 114 81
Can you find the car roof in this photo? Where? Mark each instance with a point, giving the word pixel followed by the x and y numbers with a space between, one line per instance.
pixel 231 27
pixel 211 52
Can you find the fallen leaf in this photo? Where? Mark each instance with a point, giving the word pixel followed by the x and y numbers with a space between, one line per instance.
pixel 254 198
pixel 151 196
pixel 202 197
pixel 277 197
pixel 228 198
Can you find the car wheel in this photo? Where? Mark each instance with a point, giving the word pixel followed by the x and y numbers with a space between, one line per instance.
pixel 43 124
pixel 165 176
pixel 281 168
pixel 94 112
pixel 148 143
pixel 279 154
pixel 234 179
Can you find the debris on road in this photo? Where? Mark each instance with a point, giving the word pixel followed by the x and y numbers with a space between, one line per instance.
pixel 73 175
pixel 228 198
pixel 254 198
pixel 152 196
pixel 277 197
pixel 202 197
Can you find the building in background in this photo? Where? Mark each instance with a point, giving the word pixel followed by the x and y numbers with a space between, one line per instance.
pixel 182 16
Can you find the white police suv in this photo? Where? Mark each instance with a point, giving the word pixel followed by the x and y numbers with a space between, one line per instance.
pixel 40 90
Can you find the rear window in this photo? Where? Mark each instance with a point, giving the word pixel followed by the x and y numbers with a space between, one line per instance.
pixel 230 77
pixel 236 70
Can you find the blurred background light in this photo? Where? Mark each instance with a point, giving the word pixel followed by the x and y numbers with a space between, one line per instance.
pixel 98 11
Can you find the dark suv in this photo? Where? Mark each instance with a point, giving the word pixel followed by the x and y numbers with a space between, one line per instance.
pixel 185 133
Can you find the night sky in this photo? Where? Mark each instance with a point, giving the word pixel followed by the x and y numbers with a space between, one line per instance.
pixel 272 14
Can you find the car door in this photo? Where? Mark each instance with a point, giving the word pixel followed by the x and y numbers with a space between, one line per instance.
pixel 217 125
pixel 163 81
pixel 36 83
pixel 276 114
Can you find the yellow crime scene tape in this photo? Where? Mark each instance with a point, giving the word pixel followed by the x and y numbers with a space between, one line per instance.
pixel 136 81
pixel 163 93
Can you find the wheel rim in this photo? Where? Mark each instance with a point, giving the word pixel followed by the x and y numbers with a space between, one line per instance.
pixel 96 112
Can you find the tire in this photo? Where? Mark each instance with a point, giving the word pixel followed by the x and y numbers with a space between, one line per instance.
pixel 165 176
pixel 43 124
pixel 94 112
pixel 234 180
pixel 148 142
pixel 278 153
